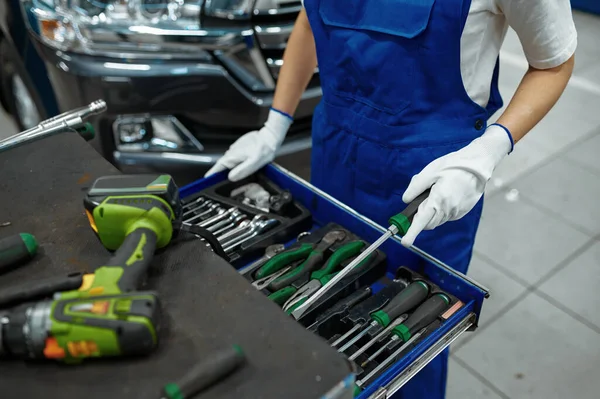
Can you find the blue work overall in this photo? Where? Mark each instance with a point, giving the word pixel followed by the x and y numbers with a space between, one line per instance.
pixel 393 101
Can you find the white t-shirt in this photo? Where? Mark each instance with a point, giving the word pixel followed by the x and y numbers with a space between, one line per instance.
pixel 545 28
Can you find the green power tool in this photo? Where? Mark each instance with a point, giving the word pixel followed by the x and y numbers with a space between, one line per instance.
pixel 133 216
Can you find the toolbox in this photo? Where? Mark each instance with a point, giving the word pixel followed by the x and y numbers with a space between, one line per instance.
pixel 315 209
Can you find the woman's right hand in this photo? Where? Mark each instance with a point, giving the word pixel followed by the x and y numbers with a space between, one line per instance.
pixel 254 150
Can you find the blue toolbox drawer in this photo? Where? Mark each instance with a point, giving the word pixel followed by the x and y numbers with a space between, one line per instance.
pixel 325 210
pixel 592 6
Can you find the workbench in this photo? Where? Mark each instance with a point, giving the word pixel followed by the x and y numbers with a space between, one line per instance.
pixel 207 304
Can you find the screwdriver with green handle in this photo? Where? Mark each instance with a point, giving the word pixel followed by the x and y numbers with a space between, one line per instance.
pixel 399 224
pixel 15 250
pixel 207 373
pixel 408 299
pixel 423 316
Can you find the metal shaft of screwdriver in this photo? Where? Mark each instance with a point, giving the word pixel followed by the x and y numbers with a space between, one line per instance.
pixel 358 336
pixel 382 334
pixel 302 308
pixel 387 361
pixel 349 333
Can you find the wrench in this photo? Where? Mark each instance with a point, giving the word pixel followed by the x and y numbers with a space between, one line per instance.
pixel 221 214
pixel 223 230
pixel 197 201
pixel 232 220
pixel 207 212
pixel 271 251
pixel 203 203
pixel 259 228
pixel 225 238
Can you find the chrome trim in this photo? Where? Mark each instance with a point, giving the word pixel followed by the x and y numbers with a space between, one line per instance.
pixel 177 159
pixel 277 11
pixel 401 379
pixel 239 10
pixel 273 36
pixel 166 41
pixel 431 259
pixel 141 118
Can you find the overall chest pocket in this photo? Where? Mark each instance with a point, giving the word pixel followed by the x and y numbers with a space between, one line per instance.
pixel 371 46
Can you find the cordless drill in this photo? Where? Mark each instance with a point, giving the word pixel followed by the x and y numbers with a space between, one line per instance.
pixel 132 215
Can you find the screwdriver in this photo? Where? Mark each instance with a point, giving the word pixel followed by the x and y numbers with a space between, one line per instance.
pixel 15 250
pixel 390 358
pixel 399 224
pixel 205 374
pixel 379 336
pixel 425 314
pixel 406 300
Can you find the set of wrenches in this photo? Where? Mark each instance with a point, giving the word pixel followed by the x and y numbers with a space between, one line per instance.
pixel 230 226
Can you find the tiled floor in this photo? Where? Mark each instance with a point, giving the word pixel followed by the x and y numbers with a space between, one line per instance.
pixel 538 248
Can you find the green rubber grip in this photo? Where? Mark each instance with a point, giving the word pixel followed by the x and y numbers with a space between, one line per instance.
pixel 408 299
pixel 324 279
pixel 296 305
pixel 15 250
pixel 423 316
pixel 283 259
pixel 403 220
pixel 345 252
pixel 86 131
pixel 303 270
pixel 281 296
pixel 216 367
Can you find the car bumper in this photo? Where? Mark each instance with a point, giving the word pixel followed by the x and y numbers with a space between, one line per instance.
pixel 201 94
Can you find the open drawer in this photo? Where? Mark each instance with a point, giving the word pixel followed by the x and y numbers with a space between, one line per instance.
pixel 324 210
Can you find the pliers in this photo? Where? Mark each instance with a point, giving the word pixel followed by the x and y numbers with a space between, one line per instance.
pixel 279 272
pixel 321 277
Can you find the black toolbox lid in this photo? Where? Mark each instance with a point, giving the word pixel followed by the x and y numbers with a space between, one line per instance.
pixel 208 305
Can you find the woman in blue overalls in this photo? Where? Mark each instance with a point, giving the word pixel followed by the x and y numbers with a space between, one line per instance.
pixel 408 87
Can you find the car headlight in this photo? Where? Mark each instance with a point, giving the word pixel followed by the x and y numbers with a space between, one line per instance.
pixel 127 26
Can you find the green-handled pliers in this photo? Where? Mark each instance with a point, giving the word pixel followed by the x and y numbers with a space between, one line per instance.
pixel 310 255
pixel 321 277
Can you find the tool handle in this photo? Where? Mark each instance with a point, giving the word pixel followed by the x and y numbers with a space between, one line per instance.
pixel 403 220
pixel 38 290
pixel 206 373
pixel 425 314
pixel 86 131
pixel 341 254
pixel 133 257
pixel 408 299
pixel 281 296
pixel 16 249
pixel 310 264
pixel 283 259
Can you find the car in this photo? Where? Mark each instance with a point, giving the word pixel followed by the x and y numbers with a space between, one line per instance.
pixel 25 90
pixel 183 79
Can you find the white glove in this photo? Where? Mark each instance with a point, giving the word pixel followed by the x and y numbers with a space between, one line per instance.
pixel 254 150
pixel 457 181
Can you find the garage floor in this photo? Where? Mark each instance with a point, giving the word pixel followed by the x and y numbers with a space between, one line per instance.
pixel 538 248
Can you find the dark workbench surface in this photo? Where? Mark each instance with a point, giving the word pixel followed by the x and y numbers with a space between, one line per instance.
pixel 206 303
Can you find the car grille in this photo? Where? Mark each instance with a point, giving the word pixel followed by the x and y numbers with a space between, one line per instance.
pixel 273 28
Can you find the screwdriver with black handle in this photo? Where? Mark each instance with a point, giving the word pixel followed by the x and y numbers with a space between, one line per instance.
pixel 408 299
pixel 205 374
pixel 399 224
pixel 15 250
pixel 423 316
